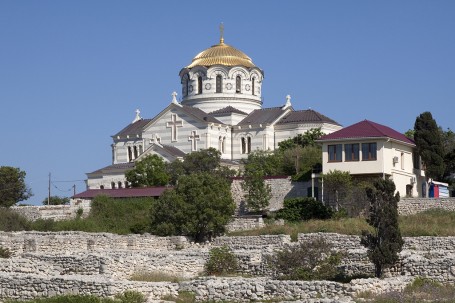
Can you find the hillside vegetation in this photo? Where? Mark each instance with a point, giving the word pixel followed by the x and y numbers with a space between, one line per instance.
pixel 124 216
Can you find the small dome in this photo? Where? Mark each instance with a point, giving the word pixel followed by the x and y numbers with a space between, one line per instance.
pixel 221 54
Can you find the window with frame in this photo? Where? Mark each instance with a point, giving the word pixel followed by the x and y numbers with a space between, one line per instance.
pixel 238 84
pixel 369 151
pixel 252 85
pixel 335 152
pixel 351 152
pixel 199 85
pixel 219 84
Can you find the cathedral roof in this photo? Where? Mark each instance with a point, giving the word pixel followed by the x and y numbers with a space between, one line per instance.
pixel 306 116
pixel 367 129
pixel 262 116
pixel 200 114
pixel 228 110
pixel 221 54
pixel 133 128
pixel 173 151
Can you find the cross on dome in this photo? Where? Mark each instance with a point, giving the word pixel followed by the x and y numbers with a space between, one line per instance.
pixel 138 116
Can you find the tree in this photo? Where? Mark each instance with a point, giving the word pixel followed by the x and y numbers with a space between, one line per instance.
pixel 307 139
pixel 56 200
pixel 300 209
pixel 385 243
pixel 12 186
pixel 199 206
pixel 204 160
pixel 266 162
pixel 338 185
pixel 258 193
pixel 299 159
pixel 427 137
pixel 150 171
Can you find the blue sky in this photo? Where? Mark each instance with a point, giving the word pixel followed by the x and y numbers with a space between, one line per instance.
pixel 72 73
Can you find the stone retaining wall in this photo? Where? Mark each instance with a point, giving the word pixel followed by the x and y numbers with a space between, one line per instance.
pixel 411 206
pixel 67 262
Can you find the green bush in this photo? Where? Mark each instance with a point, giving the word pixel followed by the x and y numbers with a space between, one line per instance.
pixel 5 253
pixel 12 221
pixel 222 261
pixel 297 209
pixel 130 296
pixel 308 260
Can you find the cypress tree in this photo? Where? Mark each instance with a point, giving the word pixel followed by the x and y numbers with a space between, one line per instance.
pixel 427 137
pixel 385 243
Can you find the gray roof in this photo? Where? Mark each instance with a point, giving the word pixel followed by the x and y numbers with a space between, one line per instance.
pixel 228 110
pixel 262 116
pixel 306 116
pixel 114 167
pixel 133 128
pixel 200 114
pixel 173 150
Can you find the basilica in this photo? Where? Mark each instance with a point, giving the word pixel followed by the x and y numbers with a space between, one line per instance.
pixel 221 107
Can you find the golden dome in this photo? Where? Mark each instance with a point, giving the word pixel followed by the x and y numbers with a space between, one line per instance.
pixel 221 54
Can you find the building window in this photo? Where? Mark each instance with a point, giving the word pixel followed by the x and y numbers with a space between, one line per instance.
pixel 238 84
pixel 113 185
pixel 219 84
pixel 351 152
pixel 335 153
pixel 252 86
pixel 402 160
pixel 248 145
pixel 101 186
pixel 221 147
pixel 130 154
pixel 369 151
pixel 135 152
pixel 243 145
pixel 199 85
pixel 119 184
pixel 127 185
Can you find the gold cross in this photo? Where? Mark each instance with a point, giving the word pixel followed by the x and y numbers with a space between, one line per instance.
pixel 221 33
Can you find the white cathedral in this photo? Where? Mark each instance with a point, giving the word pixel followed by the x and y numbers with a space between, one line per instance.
pixel 221 107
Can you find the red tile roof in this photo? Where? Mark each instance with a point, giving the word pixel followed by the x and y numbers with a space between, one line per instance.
pixel 367 129
pixel 123 192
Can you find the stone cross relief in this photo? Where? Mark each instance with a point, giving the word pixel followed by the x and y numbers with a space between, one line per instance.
pixel 173 125
pixel 194 138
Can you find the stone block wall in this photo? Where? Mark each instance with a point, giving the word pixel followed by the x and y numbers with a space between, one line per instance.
pixel 411 206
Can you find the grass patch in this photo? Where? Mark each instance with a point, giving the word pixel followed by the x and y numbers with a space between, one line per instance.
pixel 154 276
pixel 434 222
pixel 421 290
pixel 183 297
pixel 126 297
pixel 119 216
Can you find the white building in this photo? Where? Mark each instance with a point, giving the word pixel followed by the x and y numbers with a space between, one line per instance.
pixel 368 149
pixel 221 107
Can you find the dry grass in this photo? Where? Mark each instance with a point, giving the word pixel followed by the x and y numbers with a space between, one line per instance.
pixel 430 223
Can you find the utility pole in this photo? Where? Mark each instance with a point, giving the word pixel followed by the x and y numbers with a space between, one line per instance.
pixel 74 190
pixel 49 190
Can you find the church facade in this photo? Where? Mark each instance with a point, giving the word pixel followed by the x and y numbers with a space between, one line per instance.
pixel 221 107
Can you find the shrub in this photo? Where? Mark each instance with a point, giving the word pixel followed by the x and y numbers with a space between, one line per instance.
pixel 222 261
pixel 131 296
pixel 12 221
pixel 154 276
pixel 308 260
pixel 5 253
pixel 298 209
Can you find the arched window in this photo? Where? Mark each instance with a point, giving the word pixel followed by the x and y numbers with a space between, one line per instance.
pixel 219 84
pixel 238 84
pixel 130 154
pixel 252 85
pixel 119 184
pixel 135 152
pixel 243 145
pixel 249 146
pixel 101 186
pixel 113 185
pixel 199 85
